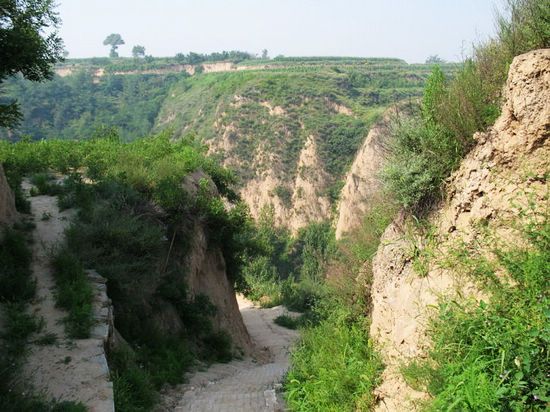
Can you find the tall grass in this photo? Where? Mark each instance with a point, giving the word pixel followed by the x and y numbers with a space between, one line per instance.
pixel 17 288
pixel 74 293
pixel 334 368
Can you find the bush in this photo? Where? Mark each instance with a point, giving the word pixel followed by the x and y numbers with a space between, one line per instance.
pixel 45 185
pixel 287 321
pixel 422 157
pixel 16 282
pixel 428 148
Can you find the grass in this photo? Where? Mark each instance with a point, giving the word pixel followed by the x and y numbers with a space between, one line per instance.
pixel 431 144
pixel 492 354
pixel 334 368
pixel 17 288
pixel 44 184
pixel 74 293
pixel 287 321
pixel 16 282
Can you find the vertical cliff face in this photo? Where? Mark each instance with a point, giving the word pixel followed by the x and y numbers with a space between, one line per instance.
pixel 506 171
pixel 207 276
pixel 362 182
pixel 8 214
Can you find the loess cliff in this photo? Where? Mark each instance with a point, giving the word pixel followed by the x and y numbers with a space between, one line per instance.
pixel 499 182
pixel 292 134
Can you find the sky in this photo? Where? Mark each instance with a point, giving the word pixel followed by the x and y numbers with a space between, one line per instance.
pixel 407 29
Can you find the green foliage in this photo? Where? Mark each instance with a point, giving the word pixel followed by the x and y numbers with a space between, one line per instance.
pixel 114 40
pixel 287 321
pixel 334 367
pixel 29 45
pixel 423 154
pixel 44 185
pixel 74 293
pixel 493 355
pixel 133 388
pixel 527 27
pixel 16 288
pixel 428 148
pixel 74 107
pixel 16 282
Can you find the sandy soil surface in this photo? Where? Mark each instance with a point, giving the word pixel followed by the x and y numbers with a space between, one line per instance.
pixel 69 369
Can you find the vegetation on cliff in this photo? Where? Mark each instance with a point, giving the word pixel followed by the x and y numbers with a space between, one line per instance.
pixel 134 203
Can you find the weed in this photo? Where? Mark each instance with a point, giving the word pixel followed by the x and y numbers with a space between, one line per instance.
pixel 47 339
pixel 16 283
pixel 74 293
pixel 334 367
pixel 287 321
pixel 492 355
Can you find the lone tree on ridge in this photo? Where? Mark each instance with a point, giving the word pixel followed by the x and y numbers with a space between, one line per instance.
pixel 114 40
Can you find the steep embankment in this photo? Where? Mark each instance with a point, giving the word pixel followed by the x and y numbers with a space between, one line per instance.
pixel 291 134
pixel 498 185
pixel 8 214
pixel 362 185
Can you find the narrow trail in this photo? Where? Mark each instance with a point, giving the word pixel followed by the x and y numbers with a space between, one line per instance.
pixel 68 369
pixel 247 385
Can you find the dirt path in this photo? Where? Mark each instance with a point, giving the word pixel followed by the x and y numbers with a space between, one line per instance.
pixel 247 385
pixel 67 370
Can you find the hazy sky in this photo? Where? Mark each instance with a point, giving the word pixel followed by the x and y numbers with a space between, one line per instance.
pixel 409 29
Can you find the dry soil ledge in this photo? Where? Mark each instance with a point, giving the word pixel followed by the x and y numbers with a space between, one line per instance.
pixel 69 369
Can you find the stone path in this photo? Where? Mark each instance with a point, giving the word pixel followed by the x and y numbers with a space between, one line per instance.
pixel 67 370
pixel 248 385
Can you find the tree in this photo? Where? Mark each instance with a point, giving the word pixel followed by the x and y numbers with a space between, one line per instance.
pixel 138 51
pixel 434 59
pixel 25 48
pixel 114 40
pixel 264 54
pixel 180 58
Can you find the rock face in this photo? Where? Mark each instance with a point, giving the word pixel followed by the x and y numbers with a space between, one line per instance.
pixel 362 182
pixel 8 214
pixel 505 171
pixel 207 276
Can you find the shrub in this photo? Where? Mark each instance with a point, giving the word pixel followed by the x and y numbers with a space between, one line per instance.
pixel 16 283
pixel 287 321
pixel 427 149
pixel 422 156
pixel 45 185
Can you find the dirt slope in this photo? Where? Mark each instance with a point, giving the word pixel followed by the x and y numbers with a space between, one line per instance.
pixel 508 167
pixel 362 182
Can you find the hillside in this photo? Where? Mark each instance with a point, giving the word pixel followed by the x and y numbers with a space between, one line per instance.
pixel 289 127
pixel 290 133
